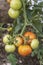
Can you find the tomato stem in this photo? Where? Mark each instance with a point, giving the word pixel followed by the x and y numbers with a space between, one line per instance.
pixel 3 29
pixel 25 17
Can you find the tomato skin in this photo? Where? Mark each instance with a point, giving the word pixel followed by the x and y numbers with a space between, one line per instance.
pixel 9 48
pixel 35 43
pixel 15 4
pixel 6 38
pixel 24 50
pixel 13 13
pixel 30 36
pixel 19 41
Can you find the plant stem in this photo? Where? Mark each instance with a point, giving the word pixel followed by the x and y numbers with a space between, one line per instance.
pixel 25 17
pixel 3 29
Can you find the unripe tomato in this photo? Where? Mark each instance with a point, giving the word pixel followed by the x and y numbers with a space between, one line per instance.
pixel 30 36
pixel 34 43
pixel 24 50
pixel 9 48
pixel 13 13
pixel 18 41
pixel 15 4
pixel 9 29
pixel 6 39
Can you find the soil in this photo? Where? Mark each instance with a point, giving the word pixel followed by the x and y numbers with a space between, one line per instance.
pixel 4 18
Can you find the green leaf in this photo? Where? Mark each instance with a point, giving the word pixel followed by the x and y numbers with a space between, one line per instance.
pixel 17 25
pixel 1 24
pixel 41 4
pixel 12 59
pixel 37 24
pixel 17 28
pixel 35 1
pixel 29 13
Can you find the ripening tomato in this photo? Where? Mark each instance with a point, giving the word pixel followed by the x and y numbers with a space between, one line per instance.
pixel 10 48
pixel 15 4
pixel 29 36
pixel 24 50
pixel 6 39
pixel 18 41
pixel 35 43
pixel 13 13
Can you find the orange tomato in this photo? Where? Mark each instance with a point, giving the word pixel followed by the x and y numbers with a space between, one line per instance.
pixel 29 36
pixel 18 41
pixel 24 50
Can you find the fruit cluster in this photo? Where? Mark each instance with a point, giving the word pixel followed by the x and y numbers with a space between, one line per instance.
pixel 15 6
pixel 25 44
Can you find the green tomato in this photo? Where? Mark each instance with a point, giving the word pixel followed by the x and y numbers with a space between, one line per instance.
pixel 13 13
pixel 10 48
pixel 34 43
pixel 6 38
pixel 9 29
pixel 15 4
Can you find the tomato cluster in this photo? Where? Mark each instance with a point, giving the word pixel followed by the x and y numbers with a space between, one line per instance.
pixel 11 43
pixel 31 43
pixel 15 6
pixel 24 46
pixel 31 39
pixel 8 46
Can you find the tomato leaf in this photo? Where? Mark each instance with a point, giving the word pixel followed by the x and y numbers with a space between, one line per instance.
pixel 12 59
pixel 41 4
pixel 37 24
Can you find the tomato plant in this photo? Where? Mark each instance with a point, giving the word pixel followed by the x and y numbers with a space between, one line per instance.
pixel 31 15
pixel 24 50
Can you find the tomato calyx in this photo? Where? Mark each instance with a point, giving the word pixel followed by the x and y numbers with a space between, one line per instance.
pixel 28 40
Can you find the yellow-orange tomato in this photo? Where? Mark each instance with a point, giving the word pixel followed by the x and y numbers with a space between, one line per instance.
pixel 8 1
pixel 18 41
pixel 24 50
pixel 30 36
